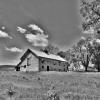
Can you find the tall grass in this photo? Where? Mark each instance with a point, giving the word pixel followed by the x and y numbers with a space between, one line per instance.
pixel 59 86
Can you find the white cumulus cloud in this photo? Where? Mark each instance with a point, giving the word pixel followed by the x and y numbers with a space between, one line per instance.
pixel 40 39
pixel 21 30
pixel 3 27
pixel 4 35
pixel 35 27
pixel 13 49
pixel 37 40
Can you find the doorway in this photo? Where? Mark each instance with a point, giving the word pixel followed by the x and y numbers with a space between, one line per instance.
pixel 17 68
pixel 48 68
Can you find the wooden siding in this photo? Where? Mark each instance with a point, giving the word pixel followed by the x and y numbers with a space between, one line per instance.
pixel 31 62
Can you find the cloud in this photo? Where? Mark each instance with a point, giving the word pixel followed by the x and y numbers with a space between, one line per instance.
pixel 40 39
pixel 13 49
pixel 35 27
pixel 4 35
pixel 3 27
pixel 37 40
pixel 21 30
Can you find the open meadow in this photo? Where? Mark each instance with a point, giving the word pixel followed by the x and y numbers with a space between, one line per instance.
pixel 45 85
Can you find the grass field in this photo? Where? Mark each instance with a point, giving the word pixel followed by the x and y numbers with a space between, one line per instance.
pixel 43 85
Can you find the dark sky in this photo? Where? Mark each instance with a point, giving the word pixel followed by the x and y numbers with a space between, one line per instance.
pixel 60 18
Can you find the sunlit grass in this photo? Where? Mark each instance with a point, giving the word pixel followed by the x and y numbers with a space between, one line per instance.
pixel 66 86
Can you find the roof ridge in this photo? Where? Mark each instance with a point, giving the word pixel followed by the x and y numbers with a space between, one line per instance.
pixel 43 54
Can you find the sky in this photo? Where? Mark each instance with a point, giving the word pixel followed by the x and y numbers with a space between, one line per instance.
pixel 59 19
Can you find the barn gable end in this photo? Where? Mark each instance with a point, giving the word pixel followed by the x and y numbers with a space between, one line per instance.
pixel 29 62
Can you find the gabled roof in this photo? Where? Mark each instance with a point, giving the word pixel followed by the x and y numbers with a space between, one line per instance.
pixel 43 55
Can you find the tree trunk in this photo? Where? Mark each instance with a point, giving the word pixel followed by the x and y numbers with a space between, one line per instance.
pixel 98 67
pixel 87 63
pixel 86 68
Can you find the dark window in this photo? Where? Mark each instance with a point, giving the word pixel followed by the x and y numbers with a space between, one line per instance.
pixel 24 66
pixel 17 68
pixel 42 60
pixel 29 61
pixel 59 63
pixel 42 66
pixel 64 69
pixel 54 62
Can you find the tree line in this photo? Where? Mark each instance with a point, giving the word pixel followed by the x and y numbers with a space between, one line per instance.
pixel 87 50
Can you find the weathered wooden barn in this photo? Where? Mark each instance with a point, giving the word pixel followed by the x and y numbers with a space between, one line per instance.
pixel 34 60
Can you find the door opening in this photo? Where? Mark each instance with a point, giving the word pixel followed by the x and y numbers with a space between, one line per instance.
pixel 47 68
pixel 18 69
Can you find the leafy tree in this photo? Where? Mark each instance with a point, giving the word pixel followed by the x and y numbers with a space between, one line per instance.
pixel 50 49
pixel 80 53
pixel 71 55
pixel 96 55
pixel 83 52
pixel 62 54
pixel 90 13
